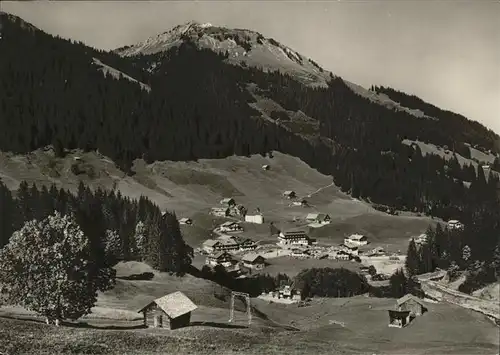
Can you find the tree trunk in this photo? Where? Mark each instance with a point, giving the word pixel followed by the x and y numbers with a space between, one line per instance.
pixel 57 322
pixel 47 321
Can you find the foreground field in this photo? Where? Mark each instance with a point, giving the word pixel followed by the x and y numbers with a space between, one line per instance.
pixel 356 325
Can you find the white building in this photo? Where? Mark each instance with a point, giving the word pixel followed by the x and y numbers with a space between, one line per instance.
pixel 228 201
pixel 318 218
pixel 356 239
pixel 350 249
pixel 298 237
pixel 258 218
pixel 230 227
pixel 454 224
pixel 185 221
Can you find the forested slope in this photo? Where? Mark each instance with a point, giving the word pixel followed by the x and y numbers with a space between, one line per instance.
pixel 51 93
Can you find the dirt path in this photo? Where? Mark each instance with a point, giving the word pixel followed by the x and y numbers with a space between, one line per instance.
pixel 320 189
pixel 443 293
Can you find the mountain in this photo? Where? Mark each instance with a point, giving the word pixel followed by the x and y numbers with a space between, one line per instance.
pixel 241 46
pixel 248 48
pixel 183 96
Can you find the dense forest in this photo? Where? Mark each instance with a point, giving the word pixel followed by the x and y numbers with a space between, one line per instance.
pixel 52 93
pixel 118 228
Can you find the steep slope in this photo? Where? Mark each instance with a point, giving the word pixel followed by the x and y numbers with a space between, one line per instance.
pixel 249 48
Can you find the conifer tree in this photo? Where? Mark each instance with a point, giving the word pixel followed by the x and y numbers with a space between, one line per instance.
pixel 412 263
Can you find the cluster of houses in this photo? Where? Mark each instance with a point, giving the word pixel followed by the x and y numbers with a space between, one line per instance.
pixel 228 207
pixel 231 264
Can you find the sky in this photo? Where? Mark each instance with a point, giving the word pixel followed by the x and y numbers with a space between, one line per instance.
pixel 446 52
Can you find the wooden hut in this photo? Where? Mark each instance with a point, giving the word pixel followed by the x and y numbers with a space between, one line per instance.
pixel 399 319
pixel 412 304
pixel 172 311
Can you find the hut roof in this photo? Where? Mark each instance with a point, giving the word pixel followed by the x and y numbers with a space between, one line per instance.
pixel 174 305
pixel 251 257
pixel 408 297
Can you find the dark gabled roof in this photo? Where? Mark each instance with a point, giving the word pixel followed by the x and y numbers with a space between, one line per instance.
pixel 408 297
pixel 219 254
pixel 251 257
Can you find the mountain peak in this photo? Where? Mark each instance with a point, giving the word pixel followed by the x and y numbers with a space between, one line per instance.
pixel 243 46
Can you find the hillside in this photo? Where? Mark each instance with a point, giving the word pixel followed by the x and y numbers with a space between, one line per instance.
pixel 192 188
pixel 197 104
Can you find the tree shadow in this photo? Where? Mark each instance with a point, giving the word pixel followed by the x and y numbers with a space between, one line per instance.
pixel 218 325
pixel 85 325
pixel 145 276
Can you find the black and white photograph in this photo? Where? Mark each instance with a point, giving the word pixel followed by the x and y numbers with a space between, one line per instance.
pixel 250 177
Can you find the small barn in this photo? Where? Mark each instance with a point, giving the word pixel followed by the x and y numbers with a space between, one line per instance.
pixel 319 218
pixel 300 203
pixel 399 319
pixel 172 311
pixel 411 304
pixel 254 261
pixel 229 202
pixel 266 167
pixel 186 220
pixel 289 194
pixel 220 211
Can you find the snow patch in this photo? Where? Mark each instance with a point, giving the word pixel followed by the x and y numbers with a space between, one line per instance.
pixel 107 70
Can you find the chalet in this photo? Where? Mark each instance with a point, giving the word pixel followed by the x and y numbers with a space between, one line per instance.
pixel 247 244
pixel 266 167
pixel 185 221
pixel 300 203
pixel 411 304
pixel 258 219
pixel 454 224
pixel 210 245
pixel 238 210
pixel 229 227
pixel 318 218
pixel 356 239
pixel 228 202
pixel 420 240
pixel 300 253
pixel 350 248
pixel 172 311
pixel 399 319
pixel 254 261
pixel 227 243
pixel 377 251
pixel 288 292
pixel 289 194
pixel 341 255
pixel 222 258
pixel 298 237
pixel 220 211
